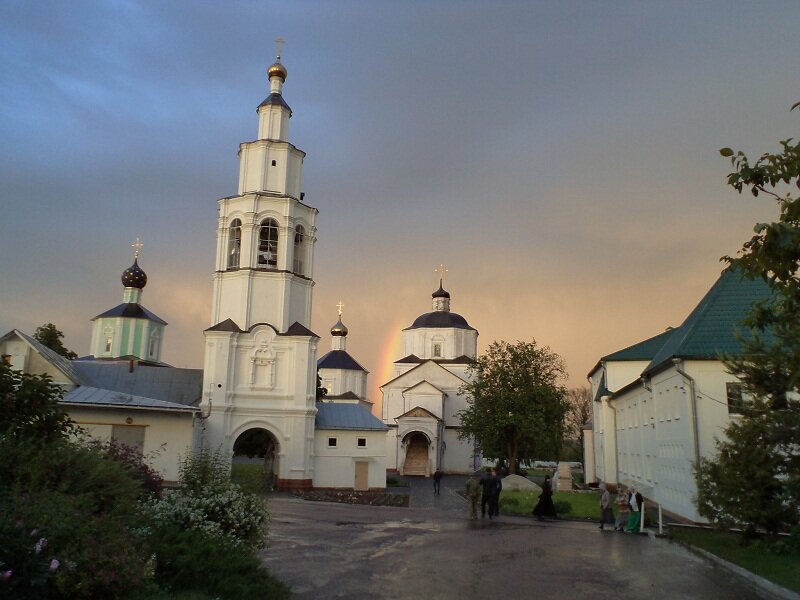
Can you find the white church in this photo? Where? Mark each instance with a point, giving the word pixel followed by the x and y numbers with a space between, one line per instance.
pixel 260 367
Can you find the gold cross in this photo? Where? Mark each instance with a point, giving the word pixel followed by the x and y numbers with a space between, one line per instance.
pixel 279 42
pixel 340 306
pixel 137 247
pixel 441 271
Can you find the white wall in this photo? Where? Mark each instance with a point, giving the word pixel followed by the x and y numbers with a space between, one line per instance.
pixel 336 467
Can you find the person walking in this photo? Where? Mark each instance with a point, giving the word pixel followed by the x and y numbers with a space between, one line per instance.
pixel 437 481
pixel 490 493
pixel 623 509
pixel 494 504
pixel 473 490
pixel 635 517
pixel 606 513
pixel 545 507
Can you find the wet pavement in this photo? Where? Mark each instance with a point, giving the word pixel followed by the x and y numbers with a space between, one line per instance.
pixel 432 550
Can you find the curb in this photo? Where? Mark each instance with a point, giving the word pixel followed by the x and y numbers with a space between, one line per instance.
pixel 755 581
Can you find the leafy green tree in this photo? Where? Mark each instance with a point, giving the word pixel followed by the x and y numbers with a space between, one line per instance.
pixel 322 392
pixel 516 403
pixel 754 480
pixel 50 336
pixel 29 407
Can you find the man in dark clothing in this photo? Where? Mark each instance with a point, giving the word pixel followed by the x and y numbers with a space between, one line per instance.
pixel 490 487
pixel 437 481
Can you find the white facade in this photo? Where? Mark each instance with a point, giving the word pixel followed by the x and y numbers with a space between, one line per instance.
pixel 353 455
pixel 422 402
pixel 660 405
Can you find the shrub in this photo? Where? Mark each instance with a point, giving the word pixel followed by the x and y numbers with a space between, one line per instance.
pixel 133 461
pixel 209 502
pixel 84 505
pixel 189 560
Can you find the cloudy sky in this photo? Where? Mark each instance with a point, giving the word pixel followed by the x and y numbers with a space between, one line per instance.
pixel 560 158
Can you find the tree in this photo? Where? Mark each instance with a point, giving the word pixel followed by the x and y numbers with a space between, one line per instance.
pixel 322 392
pixel 50 336
pixel 754 480
pixel 516 403
pixel 579 402
pixel 29 407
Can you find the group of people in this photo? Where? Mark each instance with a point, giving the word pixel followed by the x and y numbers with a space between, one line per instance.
pixel 485 492
pixel 629 509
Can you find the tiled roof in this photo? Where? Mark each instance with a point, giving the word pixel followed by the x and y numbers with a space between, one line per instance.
pixel 346 416
pixel 339 359
pixel 710 329
pixel 644 350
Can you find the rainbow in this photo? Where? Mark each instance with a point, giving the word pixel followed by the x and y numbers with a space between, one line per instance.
pixel 391 347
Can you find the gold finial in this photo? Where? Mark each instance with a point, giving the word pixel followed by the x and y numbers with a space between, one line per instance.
pixel 279 42
pixel 137 248
pixel 340 306
pixel 441 271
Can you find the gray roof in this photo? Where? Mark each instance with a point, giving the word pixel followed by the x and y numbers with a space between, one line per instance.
pixel 168 384
pixel 346 416
pixel 60 362
pixel 91 396
pixel 131 310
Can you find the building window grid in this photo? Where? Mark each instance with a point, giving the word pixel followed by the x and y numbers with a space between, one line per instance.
pixel 268 244
pixel 299 239
pixel 234 244
pixel 332 442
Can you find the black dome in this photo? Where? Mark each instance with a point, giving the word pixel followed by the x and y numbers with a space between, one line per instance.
pixel 440 318
pixel 440 293
pixel 133 276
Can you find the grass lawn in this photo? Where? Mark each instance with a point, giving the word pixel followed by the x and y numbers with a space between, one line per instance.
pixel 781 569
pixel 583 505
pixel 251 477
pixel 539 472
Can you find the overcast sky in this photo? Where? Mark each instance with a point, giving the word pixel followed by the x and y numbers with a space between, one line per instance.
pixel 560 158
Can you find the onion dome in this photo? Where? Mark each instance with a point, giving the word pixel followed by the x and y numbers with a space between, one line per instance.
pixel 339 329
pixel 133 276
pixel 276 69
pixel 441 292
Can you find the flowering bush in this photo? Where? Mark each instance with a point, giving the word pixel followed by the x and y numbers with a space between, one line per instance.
pixel 133 461
pixel 209 502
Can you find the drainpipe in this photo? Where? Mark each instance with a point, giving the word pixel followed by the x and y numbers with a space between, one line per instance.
pixel 693 406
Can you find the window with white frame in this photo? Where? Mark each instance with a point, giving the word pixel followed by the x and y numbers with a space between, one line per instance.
pixel 735 400
pixel 299 247
pixel 331 442
pixel 361 442
pixel 234 244
pixel 268 244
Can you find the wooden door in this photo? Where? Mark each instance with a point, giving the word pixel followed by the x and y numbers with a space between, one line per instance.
pixel 362 476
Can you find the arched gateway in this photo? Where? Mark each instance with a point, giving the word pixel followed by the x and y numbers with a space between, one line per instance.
pixel 258 446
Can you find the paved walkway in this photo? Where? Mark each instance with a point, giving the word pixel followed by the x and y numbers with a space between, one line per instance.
pixel 432 550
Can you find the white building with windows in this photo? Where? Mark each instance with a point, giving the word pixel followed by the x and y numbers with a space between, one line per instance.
pixel 421 403
pixel 660 404
pixel 260 368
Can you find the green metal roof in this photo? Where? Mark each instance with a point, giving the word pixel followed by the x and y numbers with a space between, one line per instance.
pixel 644 350
pixel 710 329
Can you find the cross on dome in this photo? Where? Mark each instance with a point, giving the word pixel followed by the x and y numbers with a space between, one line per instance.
pixel 279 42
pixel 339 307
pixel 137 247
pixel 441 270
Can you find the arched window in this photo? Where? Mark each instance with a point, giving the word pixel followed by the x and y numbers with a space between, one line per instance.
pixel 299 237
pixel 268 244
pixel 234 244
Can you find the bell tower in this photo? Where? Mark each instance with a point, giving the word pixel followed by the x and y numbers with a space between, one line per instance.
pixel 260 357
pixel 266 233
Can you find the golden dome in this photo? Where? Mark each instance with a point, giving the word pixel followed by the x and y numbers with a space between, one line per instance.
pixel 339 328
pixel 277 69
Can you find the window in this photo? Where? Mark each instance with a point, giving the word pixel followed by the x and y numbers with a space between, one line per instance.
pixel 299 236
pixel 735 400
pixel 109 340
pixel 268 244
pixel 331 442
pixel 130 435
pixel 437 350
pixel 153 344
pixel 274 163
pixel 109 333
pixel 234 244
pixel 361 442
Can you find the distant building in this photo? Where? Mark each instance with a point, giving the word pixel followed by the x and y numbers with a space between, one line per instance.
pixel 660 404
pixel 421 403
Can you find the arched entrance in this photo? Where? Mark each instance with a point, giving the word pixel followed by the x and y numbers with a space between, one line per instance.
pixel 416 460
pixel 258 449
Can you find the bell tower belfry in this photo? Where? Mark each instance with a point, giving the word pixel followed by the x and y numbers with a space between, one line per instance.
pixel 260 356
